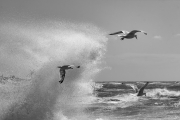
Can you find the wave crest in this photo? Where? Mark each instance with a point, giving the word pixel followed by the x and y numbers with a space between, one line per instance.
pixel 42 47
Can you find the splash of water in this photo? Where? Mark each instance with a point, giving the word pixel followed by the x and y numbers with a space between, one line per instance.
pixel 162 93
pixel 43 47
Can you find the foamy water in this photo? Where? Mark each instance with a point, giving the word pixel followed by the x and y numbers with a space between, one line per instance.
pixel 121 102
pixel 42 47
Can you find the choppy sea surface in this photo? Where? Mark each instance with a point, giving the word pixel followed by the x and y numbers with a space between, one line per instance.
pixel 33 49
pixel 116 101
pixel 108 101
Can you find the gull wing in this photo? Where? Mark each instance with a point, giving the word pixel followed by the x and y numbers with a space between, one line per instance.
pixel 119 32
pixel 135 31
pixel 144 32
pixel 71 65
pixel 142 89
pixel 65 66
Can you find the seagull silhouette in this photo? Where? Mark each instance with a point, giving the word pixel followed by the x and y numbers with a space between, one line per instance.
pixel 139 91
pixel 128 35
pixel 62 71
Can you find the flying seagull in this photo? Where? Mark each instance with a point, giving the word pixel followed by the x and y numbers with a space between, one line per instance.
pixel 139 91
pixel 128 35
pixel 62 71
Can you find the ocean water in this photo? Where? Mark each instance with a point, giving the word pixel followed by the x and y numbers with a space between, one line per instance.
pixel 108 101
pixel 116 101
pixel 39 47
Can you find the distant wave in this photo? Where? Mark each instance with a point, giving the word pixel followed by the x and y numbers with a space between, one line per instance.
pixel 162 93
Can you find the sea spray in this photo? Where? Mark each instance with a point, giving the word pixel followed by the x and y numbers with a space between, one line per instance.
pixel 43 47
pixel 159 92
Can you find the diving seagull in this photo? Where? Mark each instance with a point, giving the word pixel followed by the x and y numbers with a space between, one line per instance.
pixel 139 91
pixel 62 71
pixel 128 35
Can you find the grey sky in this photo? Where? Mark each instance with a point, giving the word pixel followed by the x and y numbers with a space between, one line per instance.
pixel 152 57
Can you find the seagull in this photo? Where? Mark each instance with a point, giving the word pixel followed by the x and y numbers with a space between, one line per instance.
pixel 139 91
pixel 128 35
pixel 62 71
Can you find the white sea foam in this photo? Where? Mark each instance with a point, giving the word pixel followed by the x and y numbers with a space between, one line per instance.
pixel 42 47
pixel 162 93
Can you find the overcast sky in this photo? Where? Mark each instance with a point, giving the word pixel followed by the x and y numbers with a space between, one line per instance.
pixel 153 57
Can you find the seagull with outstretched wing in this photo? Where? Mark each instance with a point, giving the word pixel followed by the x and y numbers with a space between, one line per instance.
pixel 62 71
pixel 139 91
pixel 128 35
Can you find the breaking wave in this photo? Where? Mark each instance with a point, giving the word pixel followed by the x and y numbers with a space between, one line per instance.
pixel 159 92
pixel 41 47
